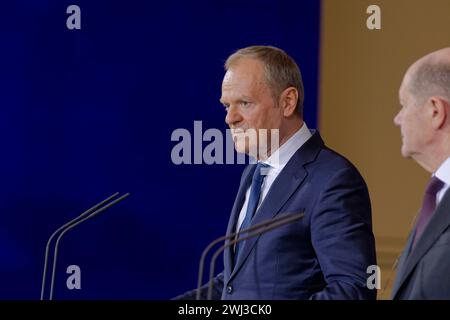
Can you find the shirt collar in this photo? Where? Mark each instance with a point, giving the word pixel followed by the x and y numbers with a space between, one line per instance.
pixel 443 172
pixel 284 153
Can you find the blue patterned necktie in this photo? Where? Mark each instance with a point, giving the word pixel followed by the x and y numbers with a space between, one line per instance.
pixel 428 206
pixel 255 193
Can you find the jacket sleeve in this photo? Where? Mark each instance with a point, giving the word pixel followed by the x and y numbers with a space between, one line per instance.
pixel 341 233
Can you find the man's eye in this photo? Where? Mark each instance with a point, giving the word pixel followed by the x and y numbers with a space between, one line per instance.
pixel 245 103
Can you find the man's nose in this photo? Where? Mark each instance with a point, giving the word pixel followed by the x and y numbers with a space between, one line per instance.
pixel 397 119
pixel 232 116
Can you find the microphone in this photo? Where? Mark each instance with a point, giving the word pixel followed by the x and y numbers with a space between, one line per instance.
pixel 251 232
pixel 91 212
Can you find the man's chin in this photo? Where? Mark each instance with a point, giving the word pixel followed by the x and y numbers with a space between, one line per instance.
pixel 240 149
pixel 406 153
pixel 243 148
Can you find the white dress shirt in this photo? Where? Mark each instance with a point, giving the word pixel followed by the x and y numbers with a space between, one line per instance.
pixel 443 174
pixel 277 161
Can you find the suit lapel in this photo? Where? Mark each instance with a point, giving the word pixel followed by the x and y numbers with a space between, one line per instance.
pixel 245 184
pixel 438 223
pixel 401 264
pixel 287 182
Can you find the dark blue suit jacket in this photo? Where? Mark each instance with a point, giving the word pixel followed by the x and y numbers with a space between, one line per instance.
pixel 325 254
pixel 424 272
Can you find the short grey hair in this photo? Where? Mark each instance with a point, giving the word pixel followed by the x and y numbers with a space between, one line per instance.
pixel 431 78
pixel 281 71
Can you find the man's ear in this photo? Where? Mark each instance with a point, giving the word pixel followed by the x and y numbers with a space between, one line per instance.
pixel 439 111
pixel 288 101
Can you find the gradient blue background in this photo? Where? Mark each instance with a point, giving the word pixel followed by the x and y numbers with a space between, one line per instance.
pixel 86 113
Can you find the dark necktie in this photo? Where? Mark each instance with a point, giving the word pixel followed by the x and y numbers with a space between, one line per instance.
pixel 255 193
pixel 428 206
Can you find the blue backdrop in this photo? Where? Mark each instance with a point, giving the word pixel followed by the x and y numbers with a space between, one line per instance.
pixel 85 113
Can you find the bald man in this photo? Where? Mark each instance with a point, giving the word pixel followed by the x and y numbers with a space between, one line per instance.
pixel 424 120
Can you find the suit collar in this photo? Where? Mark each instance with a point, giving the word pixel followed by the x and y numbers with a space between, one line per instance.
pixel 287 182
pixel 437 225
pixel 402 263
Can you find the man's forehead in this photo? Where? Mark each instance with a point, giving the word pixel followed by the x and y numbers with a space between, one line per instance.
pixel 402 93
pixel 243 83
pixel 245 68
pixel 407 78
pixel 239 88
pixel 242 76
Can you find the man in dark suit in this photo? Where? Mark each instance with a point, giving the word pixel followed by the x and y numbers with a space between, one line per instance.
pixel 424 119
pixel 324 255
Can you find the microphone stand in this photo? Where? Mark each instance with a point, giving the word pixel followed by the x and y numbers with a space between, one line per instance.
pixel 91 212
pixel 252 231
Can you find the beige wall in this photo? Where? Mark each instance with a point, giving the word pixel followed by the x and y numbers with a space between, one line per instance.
pixel 361 71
